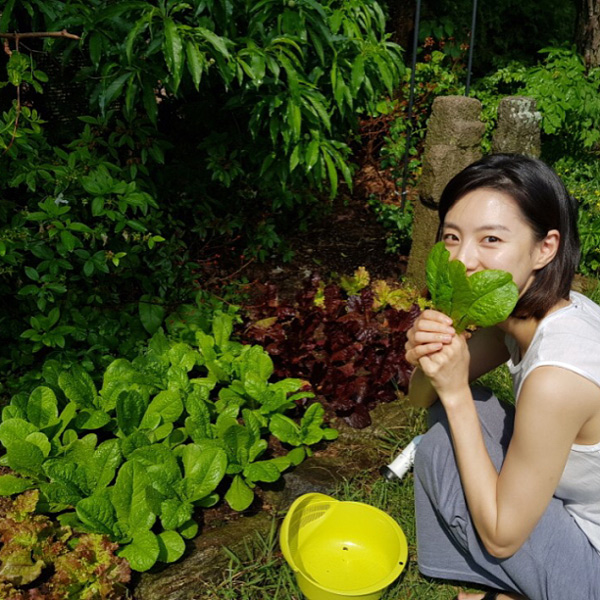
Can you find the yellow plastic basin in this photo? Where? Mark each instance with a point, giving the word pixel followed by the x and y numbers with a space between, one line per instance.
pixel 342 550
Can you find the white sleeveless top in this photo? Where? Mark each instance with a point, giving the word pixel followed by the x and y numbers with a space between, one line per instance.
pixel 570 338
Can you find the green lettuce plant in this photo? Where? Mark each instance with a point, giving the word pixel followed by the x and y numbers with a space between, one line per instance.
pixel 478 300
pixel 164 436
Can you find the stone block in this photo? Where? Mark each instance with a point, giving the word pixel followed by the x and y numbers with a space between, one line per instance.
pixel 518 130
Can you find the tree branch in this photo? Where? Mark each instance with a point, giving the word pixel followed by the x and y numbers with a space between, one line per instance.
pixel 40 34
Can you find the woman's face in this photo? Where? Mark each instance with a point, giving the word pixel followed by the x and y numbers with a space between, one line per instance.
pixel 485 229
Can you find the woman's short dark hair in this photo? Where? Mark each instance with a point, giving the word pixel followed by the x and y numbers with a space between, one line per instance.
pixel 545 204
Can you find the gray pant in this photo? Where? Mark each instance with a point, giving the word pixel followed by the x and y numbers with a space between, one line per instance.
pixel 557 562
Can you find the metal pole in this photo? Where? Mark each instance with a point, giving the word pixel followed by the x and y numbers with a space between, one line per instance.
pixel 411 98
pixel 471 46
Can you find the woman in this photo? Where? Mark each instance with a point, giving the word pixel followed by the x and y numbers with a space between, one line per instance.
pixel 510 498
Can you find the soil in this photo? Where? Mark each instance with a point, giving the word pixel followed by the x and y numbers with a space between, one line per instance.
pixel 347 238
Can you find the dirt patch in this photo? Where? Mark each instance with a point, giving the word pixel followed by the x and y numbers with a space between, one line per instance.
pixel 347 238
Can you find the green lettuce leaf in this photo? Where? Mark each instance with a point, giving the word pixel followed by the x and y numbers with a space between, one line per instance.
pixel 482 299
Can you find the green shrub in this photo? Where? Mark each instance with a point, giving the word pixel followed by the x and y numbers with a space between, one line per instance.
pixel 581 175
pixel 207 119
pixel 567 95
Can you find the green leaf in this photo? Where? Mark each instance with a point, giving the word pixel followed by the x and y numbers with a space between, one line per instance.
pixel 158 455
pixel 294 119
pixel 15 430
pixel 189 529
pixel 129 497
pixel 11 484
pixel 310 426
pixel 295 157
pixel 217 42
pixel 296 456
pixel 78 387
pixel 332 173
pixel 173 51
pixel 91 419
pixel 284 429
pixel 461 289
pixel 102 466
pixel 25 458
pixel 438 277
pixel 385 73
pixel 203 469
pixel 494 297
pixel 171 546
pixel 17 409
pixel 98 513
pixel 263 470
pixel 239 496
pixel 162 432
pixel 358 73
pixel 131 406
pixel 222 328
pixel 142 552
pixel 167 404
pixel 134 441
pixel 42 407
pixel 181 355
pixel 175 513
pixel 6 15
pixel 139 26
pixel 149 99
pixel 60 495
pixel 238 443
pixel 482 299
pixel 114 90
pixel 70 242
pixel 195 62
pixel 41 441
pixel 330 434
pixel 198 428
pixel 95 43
pixel 151 312
pixel 62 469
pixel 32 273
pixel 252 424
pixel 312 154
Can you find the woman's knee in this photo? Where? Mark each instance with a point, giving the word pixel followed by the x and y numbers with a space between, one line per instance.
pixel 433 449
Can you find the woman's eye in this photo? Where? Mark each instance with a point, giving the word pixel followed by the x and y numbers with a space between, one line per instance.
pixel 491 239
pixel 449 237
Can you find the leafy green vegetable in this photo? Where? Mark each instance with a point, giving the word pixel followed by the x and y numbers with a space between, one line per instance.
pixel 478 300
pixel 166 429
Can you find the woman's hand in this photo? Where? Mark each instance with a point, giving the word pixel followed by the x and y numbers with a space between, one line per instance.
pixel 448 368
pixel 429 333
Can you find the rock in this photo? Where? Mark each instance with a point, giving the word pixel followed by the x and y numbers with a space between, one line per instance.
pixel 518 127
pixel 453 141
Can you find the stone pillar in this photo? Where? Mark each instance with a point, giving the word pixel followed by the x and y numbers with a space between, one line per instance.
pixel 518 128
pixel 452 142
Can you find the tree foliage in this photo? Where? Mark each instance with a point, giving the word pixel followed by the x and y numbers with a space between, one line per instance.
pixel 204 118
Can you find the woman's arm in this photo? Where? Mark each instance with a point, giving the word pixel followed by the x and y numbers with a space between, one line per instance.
pixel 553 406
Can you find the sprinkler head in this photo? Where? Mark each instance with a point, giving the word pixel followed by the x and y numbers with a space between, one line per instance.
pixel 398 468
